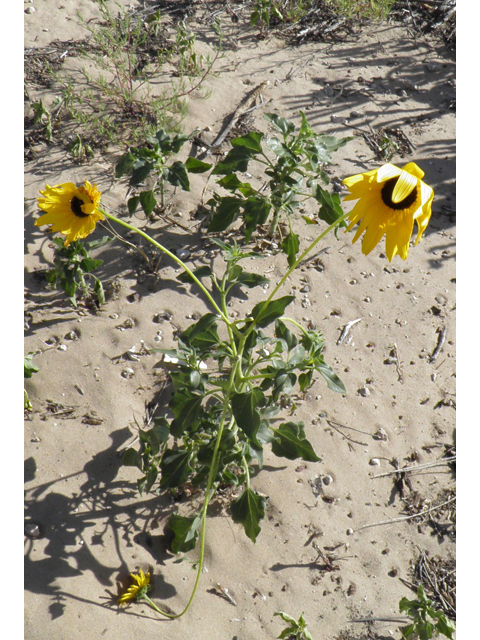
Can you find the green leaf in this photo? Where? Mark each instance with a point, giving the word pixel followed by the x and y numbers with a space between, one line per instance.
pixel 226 214
pixel 232 183
pixel 132 458
pixel 290 443
pixel 201 272
pixel 132 204
pixel 186 407
pixel 203 334
pixel 99 292
pixel 28 367
pixel 141 172
pixel 305 380
pixel 290 246
pixel 445 626
pixel 331 208
pixel 125 164
pixel 277 147
pixel 89 264
pixel 96 244
pixel 245 410
pixel 175 467
pixel 282 124
pixel 251 280
pixel 264 314
pixel 177 175
pixel 185 530
pixel 251 141
pixel 194 165
pixel 256 210
pixel 283 383
pixel 333 381
pixel 148 202
pixel 408 630
pixel 285 335
pixel 237 159
pixel 248 509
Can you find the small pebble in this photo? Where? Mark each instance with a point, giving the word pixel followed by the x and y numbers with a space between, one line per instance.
pixel 381 434
pixel 128 373
pixel 349 532
pixel 375 462
pixel 30 10
pixel 183 254
pixel 35 438
pixel 62 347
pixel 32 530
pixel 327 480
pixel 113 316
pixel 364 392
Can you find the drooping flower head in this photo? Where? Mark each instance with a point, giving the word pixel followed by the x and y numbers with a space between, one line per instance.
pixel 389 201
pixel 140 586
pixel 71 210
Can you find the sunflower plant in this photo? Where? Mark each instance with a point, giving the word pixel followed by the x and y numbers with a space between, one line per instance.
pixel 232 377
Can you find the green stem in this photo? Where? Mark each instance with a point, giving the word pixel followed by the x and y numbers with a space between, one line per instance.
pixel 224 317
pixel 295 265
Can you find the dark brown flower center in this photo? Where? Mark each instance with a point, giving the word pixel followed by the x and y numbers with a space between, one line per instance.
pixel 76 207
pixel 387 192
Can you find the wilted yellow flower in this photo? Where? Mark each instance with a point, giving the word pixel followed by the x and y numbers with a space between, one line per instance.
pixel 71 210
pixel 138 589
pixel 389 201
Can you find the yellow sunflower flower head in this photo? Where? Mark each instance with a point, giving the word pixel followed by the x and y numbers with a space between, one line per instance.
pixel 141 584
pixel 70 210
pixel 389 201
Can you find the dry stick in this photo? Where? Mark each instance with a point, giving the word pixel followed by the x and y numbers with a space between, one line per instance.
pixel 419 466
pixel 415 515
pixel 332 424
pixel 441 340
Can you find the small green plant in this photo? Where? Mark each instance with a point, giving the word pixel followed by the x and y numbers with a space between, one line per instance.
pixel 151 160
pixel 29 368
pixel 368 9
pixel 73 266
pixel 294 175
pixel 427 621
pixel 263 12
pixel 296 630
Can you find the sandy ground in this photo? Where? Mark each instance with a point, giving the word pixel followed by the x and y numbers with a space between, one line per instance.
pixel 96 528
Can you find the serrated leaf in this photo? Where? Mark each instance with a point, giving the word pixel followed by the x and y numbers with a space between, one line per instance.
pixel 290 443
pixel 264 314
pixel 248 509
pixel 185 530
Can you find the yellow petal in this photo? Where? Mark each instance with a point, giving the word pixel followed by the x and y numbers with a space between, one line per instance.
pixel 414 169
pixel 406 183
pixel 399 232
pixel 387 171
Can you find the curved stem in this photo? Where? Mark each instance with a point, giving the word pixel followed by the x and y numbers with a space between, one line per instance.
pixel 295 265
pixel 170 255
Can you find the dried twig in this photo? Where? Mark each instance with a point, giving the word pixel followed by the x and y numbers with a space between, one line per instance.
pixel 417 467
pixel 438 348
pixel 335 426
pixel 346 329
pixel 402 518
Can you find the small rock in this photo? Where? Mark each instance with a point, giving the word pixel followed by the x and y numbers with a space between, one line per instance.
pixel 30 10
pixel 128 373
pixel 381 434
pixel 113 316
pixel 364 392
pixel 183 254
pixel 375 462
pixel 32 530
pixel 305 289
pixel 71 335
pixel 35 438
pixel 163 316
pixel 62 347
pixel 349 532
pixel 327 480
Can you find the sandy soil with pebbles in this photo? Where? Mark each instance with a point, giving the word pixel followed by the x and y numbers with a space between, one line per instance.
pixel 94 526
